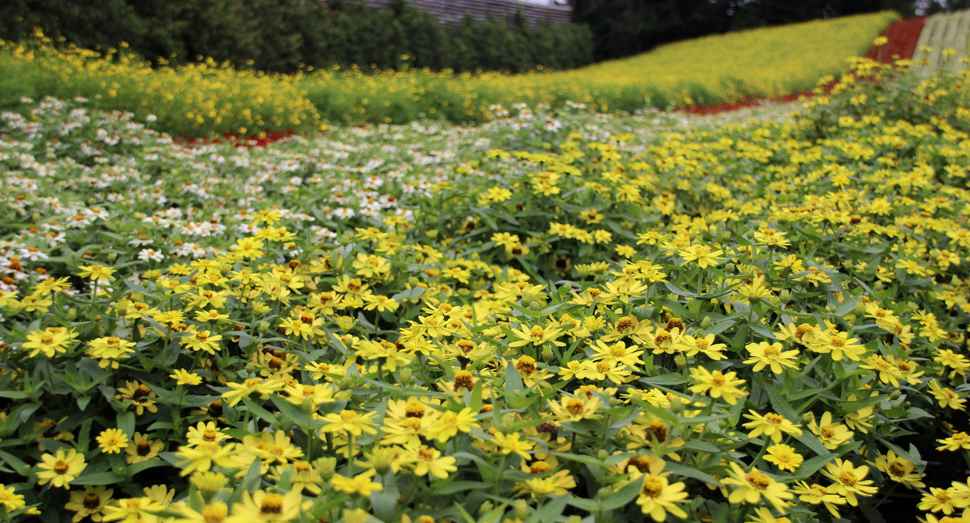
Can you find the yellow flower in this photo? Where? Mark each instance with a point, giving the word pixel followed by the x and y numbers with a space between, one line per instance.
pixel 764 354
pixel 658 497
pixel 10 500
pixel 315 394
pixel 112 441
pixel 831 434
pixel 838 344
pixel 771 425
pixel 205 433
pixel 203 456
pixel 185 377
pixel 849 480
pixel 946 397
pixel 943 500
pixel 426 460
pixel 753 486
pixel 450 423
pixel 251 386
pixel 575 408
pixel 143 448
pixel 350 422
pixel 201 340
pixel 958 441
pixel 900 470
pixel 511 444
pixel 50 343
pixel 61 468
pixel 784 457
pixel 89 502
pixel 360 484
pixel 703 255
pixel 266 507
pixel 716 384
pixel 96 272
pixel 132 510
pixel 272 448
pixel 138 394
pixel 817 494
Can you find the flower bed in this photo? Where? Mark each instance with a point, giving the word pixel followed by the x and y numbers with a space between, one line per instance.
pixel 556 315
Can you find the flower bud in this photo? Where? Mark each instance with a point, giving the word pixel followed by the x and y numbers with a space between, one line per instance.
pixel 522 509
pixel 308 406
pixel 602 455
pixel 485 508
pixel 327 467
pixel 894 395
pixel 808 418
pixel 406 375
pixel 527 298
pixel 706 322
pixel 680 361
pixel 112 257
pixel 547 352
pixel 508 423
pixel 784 295
pixel 860 308
pixel 72 314
pixel 264 326
pixel 382 459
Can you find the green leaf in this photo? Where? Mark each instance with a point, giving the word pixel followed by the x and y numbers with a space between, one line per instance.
pixel 14 394
pixel 445 488
pixel 18 465
pixel 779 403
pixel 550 511
pixel 513 382
pixel 100 478
pixel 624 496
pixel 293 413
pixel 145 465
pixel 258 410
pixel 683 470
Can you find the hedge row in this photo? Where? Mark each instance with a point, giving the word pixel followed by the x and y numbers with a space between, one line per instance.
pixel 285 35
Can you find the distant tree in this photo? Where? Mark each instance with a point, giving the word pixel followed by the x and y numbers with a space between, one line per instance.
pixel 626 27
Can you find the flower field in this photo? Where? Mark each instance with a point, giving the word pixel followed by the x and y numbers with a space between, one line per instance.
pixel 210 98
pixel 943 41
pixel 561 316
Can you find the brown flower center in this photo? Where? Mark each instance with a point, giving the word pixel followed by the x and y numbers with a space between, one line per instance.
pixel 759 481
pixel 652 487
pixel 774 419
pixel 414 409
pixel 61 466
pixel 539 467
pixel 847 478
pixel 897 469
pixel 271 504
pixel 574 406
pixel 463 380
pixel 92 500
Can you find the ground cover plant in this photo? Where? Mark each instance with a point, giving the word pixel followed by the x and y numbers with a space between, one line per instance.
pixel 943 41
pixel 212 98
pixel 561 316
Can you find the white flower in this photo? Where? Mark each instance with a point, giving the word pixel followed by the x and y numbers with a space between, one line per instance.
pixel 150 254
pixel 32 254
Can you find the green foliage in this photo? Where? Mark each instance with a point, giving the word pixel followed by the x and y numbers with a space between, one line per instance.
pixel 284 35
